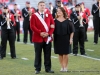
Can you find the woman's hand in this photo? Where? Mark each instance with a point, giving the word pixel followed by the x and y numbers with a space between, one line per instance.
pixel 71 41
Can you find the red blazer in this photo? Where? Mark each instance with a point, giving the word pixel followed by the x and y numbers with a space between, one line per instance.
pixel 85 17
pixel 19 12
pixel 0 11
pixel 12 19
pixel 37 27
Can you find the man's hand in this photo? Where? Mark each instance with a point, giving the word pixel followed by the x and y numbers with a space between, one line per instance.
pixel 7 19
pixel 98 7
pixel 44 34
pixel 79 17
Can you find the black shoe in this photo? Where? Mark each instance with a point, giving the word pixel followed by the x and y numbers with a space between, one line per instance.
pixel 50 71
pixel 75 54
pixel 1 58
pixel 86 40
pixel 25 42
pixel 84 54
pixel 14 58
pixel 37 72
pixel 95 43
pixel 18 40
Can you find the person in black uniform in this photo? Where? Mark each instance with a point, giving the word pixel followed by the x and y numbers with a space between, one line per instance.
pixel 17 15
pixel 96 20
pixel 26 13
pixel 63 37
pixel 7 33
pixel 58 2
pixel 79 33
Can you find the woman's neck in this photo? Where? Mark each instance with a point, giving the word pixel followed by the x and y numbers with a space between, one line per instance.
pixel 61 16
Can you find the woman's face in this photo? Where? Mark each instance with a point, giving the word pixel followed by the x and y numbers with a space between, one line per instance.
pixel 59 12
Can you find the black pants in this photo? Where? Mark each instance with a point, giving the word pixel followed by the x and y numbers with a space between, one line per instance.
pixel 79 35
pixel 47 55
pixel 17 29
pixel 86 27
pixel 8 34
pixel 26 28
pixel 96 23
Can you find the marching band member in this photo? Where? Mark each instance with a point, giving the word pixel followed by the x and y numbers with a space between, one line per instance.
pixel 17 15
pixel 58 2
pixel 77 17
pixel 87 12
pixel 42 24
pixel 68 11
pixel 7 33
pixel 96 20
pixel 26 13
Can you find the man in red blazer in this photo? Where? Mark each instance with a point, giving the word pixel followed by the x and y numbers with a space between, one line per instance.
pixel 42 26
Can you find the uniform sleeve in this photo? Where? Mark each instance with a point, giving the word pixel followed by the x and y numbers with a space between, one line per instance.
pixel 52 25
pixel 13 23
pixel 94 9
pixel 88 12
pixel 54 12
pixel 33 25
pixel 74 18
pixel 24 13
pixel 2 21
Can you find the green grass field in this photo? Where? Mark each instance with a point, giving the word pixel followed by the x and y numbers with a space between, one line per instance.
pixel 77 65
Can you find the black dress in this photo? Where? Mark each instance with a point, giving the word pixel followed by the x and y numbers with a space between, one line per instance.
pixel 62 36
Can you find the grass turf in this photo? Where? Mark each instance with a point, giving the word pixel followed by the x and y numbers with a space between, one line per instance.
pixel 77 65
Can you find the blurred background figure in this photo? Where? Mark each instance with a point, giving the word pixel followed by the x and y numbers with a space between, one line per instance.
pixel 51 7
pixel 26 13
pixel 7 33
pixel 58 4
pixel 17 15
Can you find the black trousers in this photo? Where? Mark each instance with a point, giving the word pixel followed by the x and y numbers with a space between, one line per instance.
pixel 96 23
pixel 17 29
pixel 8 34
pixel 79 35
pixel 26 28
pixel 47 55
pixel 86 27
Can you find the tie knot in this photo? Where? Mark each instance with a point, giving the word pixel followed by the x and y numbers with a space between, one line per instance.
pixel 42 15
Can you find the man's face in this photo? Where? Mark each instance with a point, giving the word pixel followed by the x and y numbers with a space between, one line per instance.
pixel 77 8
pixel 5 10
pixel 27 5
pixel 58 3
pixel 41 6
pixel 15 6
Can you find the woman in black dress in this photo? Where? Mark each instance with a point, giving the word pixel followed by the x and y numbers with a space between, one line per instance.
pixel 63 36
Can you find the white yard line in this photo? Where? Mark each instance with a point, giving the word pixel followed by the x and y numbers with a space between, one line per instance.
pixel 54 57
pixel 25 58
pixel 90 50
pixel 89 57
pixel 8 53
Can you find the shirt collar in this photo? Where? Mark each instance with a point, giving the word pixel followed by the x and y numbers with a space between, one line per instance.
pixel 41 13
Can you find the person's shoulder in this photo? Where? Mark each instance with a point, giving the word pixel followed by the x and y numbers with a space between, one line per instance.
pixel 69 20
pixel 23 8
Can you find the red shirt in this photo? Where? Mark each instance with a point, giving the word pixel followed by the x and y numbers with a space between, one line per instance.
pixel 37 27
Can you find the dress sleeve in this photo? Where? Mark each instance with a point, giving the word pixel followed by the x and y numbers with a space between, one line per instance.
pixel 71 27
